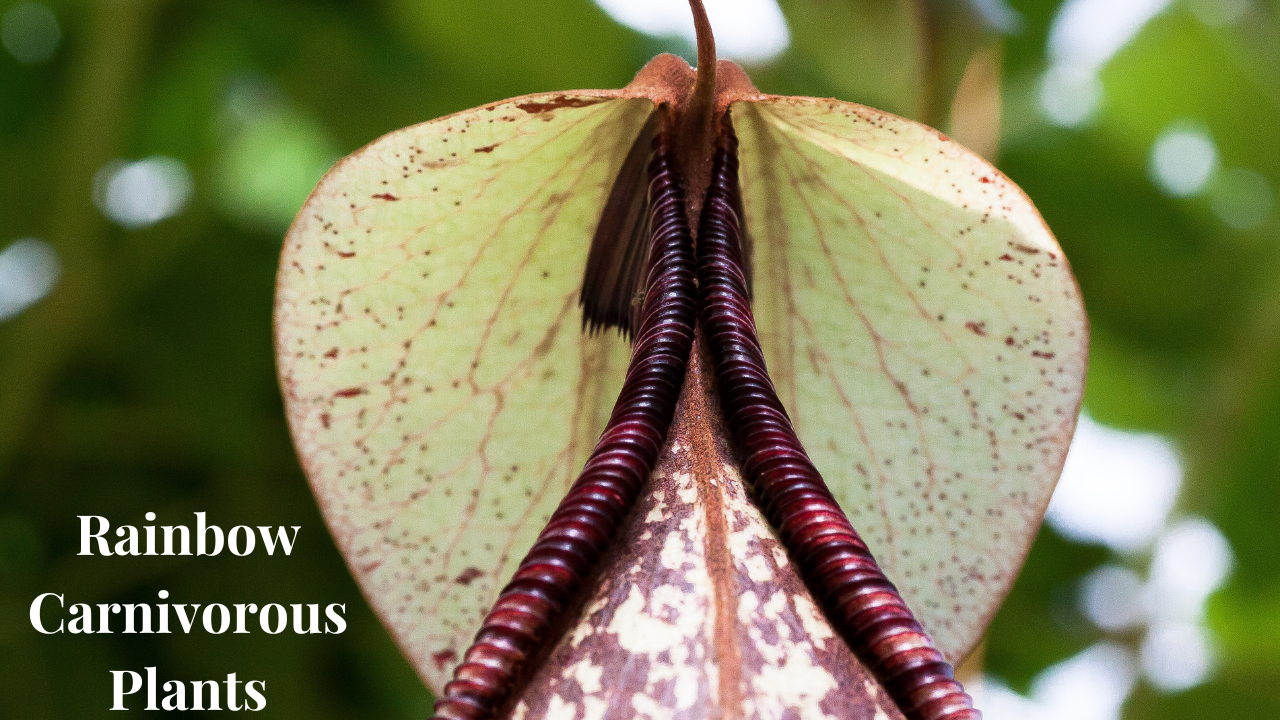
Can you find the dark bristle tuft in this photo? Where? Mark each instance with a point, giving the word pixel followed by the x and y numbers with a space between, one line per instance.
pixel 613 282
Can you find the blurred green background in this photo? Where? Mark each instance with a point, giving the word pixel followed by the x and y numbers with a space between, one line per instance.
pixel 152 154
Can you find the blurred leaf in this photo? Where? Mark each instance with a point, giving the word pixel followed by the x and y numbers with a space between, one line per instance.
pixel 904 56
pixel 1038 624
pixel 269 167
pixel 145 381
pixel 510 47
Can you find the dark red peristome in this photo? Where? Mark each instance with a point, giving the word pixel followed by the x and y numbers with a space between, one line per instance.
pixel 836 562
pixel 584 523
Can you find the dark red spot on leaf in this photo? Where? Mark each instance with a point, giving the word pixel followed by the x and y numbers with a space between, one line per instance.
pixel 978 328
pixel 444 658
pixel 557 103
pixel 1045 355
pixel 466 576
pixel 1007 257
pixel 487 148
pixel 333 353
pixel 349 392
pixel 385 196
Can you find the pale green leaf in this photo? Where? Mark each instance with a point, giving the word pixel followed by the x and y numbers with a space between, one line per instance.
pixel 440 390
pixel 925 332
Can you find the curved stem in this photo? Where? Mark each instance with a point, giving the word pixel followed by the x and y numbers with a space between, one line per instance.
pixel 705 85
pixel 696 134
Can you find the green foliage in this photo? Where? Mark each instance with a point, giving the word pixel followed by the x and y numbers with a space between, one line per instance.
pixel 145 381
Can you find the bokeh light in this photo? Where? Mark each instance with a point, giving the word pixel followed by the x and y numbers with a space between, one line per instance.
pixel 1111 596
pixel 1091 685
pixel 1087 33
pixel 1084 36
pixel 143 192
pixel 1070 95
pixel 999 15
pixel 29 269
pixel 746 30
pixel 1117 487
pixel 1183 159
pixel 1177 656
pixel 30 32
pixel 1192 559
